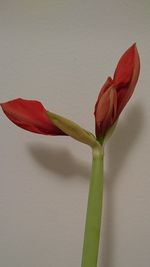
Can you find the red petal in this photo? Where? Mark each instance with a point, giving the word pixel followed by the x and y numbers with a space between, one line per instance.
pixel 104 88
pixel 106 111
pixel 124 69
pixel 126 76
pixel 31 116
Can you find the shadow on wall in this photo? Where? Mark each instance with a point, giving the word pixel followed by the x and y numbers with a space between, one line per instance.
pixel 126 136
pixel 59 160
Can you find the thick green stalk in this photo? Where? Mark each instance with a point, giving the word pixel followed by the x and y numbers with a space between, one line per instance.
pixel 94 211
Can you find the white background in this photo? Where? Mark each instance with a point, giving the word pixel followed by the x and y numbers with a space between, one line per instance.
pixel 61 52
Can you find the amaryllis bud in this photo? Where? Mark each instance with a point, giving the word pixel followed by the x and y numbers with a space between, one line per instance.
pixel 116 92
pixel 31 116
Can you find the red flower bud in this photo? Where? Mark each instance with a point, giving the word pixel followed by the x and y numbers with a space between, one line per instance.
pixel 116 92
pixel 31 116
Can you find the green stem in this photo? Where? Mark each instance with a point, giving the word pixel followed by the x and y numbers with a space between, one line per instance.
pixel 94 211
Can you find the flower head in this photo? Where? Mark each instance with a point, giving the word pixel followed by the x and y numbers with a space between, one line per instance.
pixel 116 92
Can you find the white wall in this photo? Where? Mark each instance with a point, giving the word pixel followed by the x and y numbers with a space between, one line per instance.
pixel 60 52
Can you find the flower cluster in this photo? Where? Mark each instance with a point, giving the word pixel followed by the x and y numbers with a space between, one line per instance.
pixel 114 95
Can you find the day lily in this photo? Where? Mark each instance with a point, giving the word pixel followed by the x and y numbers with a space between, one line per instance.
pixel 114 95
